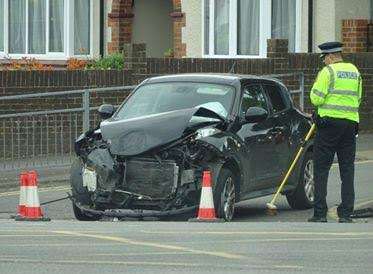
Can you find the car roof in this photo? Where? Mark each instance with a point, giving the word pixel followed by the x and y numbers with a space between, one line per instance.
pixel 218 78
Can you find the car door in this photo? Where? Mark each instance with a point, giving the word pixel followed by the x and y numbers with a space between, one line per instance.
pixel 259 145
pixel 280 132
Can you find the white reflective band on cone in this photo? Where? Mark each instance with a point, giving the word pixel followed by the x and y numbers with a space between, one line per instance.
pixel 207 200
pixel 32 197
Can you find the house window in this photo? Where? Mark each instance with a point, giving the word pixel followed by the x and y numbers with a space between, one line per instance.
pixel 221 27
pixel 82 27
pixel 206 26
pixel 37 27
pixel 17 26
pixel 1 26
pixel 47 29
pixel 56 25
pixel 284 21
pixel 248 37
pixel 241 27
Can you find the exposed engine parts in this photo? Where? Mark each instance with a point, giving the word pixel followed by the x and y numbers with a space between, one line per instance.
pixel 166 177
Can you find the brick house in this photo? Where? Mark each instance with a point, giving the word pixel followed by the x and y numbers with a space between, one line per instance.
pixel 60 29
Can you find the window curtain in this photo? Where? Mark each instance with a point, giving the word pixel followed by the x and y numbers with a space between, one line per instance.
pixel 1 25
pixel 82 27
pixel 36 26
pixel 283 21
pixel 17 26
pixel 221 27
pixel 207 26
pixel 248 27
pixel 56 21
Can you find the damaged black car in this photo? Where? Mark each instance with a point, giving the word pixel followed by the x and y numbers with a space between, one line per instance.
pixel 146 159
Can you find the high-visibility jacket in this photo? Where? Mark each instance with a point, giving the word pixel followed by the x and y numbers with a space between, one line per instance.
pixel 337 91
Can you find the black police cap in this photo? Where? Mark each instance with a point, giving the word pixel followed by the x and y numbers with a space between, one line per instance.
pixel 330 47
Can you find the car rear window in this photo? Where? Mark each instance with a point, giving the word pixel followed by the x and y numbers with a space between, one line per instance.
pixel 253 97
pixel 275 96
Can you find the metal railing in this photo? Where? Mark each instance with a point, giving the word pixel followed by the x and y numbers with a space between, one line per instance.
pixel 46 137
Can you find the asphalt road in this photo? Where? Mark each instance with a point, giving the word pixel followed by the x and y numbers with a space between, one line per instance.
pixel 169 247
pixel 253 243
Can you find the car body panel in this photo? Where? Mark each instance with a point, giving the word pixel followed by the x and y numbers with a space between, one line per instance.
pixel 147 132
pixel 261 151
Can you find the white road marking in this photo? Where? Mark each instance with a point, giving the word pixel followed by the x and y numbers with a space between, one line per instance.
pixel 278 240
pixel 152 244
pixel 293 233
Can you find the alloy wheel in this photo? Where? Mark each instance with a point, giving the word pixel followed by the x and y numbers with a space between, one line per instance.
pixel 309 183
pixel 229 198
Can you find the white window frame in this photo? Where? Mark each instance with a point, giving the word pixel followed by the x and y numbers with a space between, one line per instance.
pixel 68 34
pixel 298 26
pixel 265 32
pixel 5 29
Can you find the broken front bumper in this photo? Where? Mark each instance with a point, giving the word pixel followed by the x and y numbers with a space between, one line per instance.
pixel 129 213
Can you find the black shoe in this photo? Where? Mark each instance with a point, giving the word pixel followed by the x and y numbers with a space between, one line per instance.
pixel 316 219
pixel 345 220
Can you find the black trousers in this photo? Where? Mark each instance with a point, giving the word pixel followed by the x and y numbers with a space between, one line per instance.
pixel 334 136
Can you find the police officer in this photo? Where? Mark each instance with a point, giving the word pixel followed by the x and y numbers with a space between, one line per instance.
pixel 336 94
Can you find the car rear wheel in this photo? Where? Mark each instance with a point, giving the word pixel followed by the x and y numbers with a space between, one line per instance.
pixel 225 195
pixel 304 194
pixel 80 192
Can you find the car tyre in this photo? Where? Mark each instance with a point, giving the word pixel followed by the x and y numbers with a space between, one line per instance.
pixel 225 195
pixel 304 194
pixel 79 192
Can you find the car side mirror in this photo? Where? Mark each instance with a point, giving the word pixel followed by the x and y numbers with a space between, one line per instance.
pixel 256 115
pixel 106 111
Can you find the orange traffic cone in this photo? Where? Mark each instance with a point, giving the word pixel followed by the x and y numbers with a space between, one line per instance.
pixel 206 211
pixel 21 209
pixel 33 210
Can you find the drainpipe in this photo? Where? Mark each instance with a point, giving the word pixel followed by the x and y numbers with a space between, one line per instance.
pixel 310 25
pixel 102 28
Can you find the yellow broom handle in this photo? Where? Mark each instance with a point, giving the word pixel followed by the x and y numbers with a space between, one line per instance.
pixel 308 136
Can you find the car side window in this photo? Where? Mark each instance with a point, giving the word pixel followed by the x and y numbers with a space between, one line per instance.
pixel 253 96
pixel 275 96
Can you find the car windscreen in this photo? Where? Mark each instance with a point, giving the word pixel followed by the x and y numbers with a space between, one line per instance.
pixel 164 97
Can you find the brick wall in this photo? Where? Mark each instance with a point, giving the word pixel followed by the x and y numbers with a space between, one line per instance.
pixel 178 19
pixel 120 21
pixel 25 82
pixel 355 35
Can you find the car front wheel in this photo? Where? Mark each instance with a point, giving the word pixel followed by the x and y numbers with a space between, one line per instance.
pixel 304 194
pixel 225 195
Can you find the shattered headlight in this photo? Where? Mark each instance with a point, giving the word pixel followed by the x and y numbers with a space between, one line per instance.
pixel 89 179
pixel 206 132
